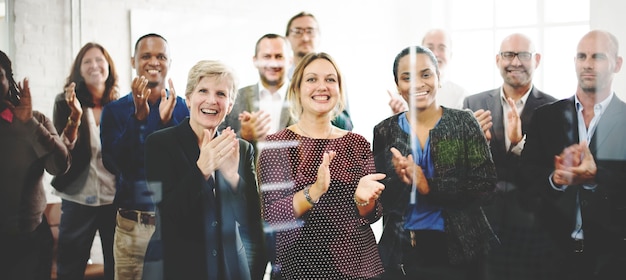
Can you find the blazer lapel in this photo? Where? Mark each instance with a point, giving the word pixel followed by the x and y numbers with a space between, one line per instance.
pixel 497 118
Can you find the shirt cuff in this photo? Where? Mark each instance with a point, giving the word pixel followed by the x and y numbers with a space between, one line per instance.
pixel 66 141
pixel 519 147
pixel 554 186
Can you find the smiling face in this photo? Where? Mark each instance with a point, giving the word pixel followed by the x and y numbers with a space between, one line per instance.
pixel 439 43
pixel 320 88
pixel 308 39
pixel 209 103
pixel 418 81
pixel 94 68
pixel 271 59
pixel 152 60
pixel 516 72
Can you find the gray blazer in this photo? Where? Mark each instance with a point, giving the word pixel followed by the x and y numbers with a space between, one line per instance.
pixel 248 100
pixel 506 163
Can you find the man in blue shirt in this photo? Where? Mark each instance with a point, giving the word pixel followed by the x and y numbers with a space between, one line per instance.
pixel 125 125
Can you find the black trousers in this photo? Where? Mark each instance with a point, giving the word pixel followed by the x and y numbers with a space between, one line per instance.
pixel 27 256
pixel 428 259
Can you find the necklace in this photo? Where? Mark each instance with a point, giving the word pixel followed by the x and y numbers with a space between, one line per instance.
pixel 307 135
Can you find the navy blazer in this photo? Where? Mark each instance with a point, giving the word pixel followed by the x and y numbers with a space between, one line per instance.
pixel 507 164
pixel 191 240
pixel 554 128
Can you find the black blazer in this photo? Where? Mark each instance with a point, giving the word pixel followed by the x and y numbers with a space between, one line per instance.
pixel 188 235
pixel 555 127
pixel 81 154
pixel 507 164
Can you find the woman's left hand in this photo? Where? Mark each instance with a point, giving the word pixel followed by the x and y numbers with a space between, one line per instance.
pixel 24 111
pixel 369 189
pixel 221 152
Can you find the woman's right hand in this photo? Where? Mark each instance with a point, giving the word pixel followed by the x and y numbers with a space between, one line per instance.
pixel 322 183
pixel 409 172
pixel 76 111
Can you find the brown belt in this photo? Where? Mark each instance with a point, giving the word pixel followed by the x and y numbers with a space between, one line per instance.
pixel 146 218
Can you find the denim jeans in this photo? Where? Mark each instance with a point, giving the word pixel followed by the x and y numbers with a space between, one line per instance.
pixel 77 230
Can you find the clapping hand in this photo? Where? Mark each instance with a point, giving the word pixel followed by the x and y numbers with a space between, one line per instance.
pixel 166 107
pixel 220 153
pixel 141 92
pixel 409 172
pixel 575 165
pixel 76 111
pixel 484 119
pixel 23 111
pixel 254 126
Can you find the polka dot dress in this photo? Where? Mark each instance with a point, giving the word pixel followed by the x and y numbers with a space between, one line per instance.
pixel 330 241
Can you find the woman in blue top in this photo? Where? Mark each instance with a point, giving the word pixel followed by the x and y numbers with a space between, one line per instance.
pixel 439 172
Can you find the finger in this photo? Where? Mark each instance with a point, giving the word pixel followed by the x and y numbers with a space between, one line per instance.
pixel 331 156
pixel 376 176
pixel 325 160
pixel 245 116
pixel 172 91
pixel 390 94
pixel 164 95
pixel 478 113
pixel 395 152
pixel 512 104
pixel 207 137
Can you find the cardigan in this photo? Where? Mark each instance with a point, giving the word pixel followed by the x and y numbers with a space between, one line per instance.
pixel 463 180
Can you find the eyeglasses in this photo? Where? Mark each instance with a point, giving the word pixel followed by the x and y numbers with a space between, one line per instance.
pixel 523 56
pixel 298 32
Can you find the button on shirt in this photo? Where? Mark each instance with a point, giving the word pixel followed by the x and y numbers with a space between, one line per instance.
pixel 272 103
pixel 519 106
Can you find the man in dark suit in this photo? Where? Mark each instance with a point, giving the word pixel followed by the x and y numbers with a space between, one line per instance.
pixel 259 110
pixel 504 113
pixel 575 158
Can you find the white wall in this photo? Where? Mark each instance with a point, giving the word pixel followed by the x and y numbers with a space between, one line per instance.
pixel 363 35
pixel 609 15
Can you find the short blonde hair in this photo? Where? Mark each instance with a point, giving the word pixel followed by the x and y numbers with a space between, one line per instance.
pixel 293 92
pixel 212 68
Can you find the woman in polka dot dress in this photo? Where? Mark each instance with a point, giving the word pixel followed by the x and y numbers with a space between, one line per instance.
pixel 320 192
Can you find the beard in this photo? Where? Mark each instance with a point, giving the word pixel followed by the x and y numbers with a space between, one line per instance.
pixel 152 84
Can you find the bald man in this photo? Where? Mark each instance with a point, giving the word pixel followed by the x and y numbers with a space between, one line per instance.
pixel 504 114
pixel 575 157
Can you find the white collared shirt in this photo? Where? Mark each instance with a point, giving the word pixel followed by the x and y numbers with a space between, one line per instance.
pixel 519 106
pixel 272 103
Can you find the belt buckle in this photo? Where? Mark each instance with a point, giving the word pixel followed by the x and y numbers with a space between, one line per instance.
pixel 579 245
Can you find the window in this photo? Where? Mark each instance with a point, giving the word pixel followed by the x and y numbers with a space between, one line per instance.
pixel 477 36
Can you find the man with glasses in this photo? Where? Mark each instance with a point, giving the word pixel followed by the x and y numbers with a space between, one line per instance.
pixel 504 114
pixel 303 34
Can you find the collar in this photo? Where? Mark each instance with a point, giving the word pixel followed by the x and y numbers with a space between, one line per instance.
pixel 601 107
pixel 7 115
pixel 282 91
pixel 522 100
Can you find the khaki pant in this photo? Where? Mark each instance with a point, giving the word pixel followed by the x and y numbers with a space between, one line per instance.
pixel 130 244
